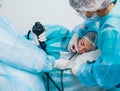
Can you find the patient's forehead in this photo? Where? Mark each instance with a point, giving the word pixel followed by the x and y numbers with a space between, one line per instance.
pixel 87 43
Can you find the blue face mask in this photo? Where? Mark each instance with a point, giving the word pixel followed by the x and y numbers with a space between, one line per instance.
pixel 83 15
pixel 93 17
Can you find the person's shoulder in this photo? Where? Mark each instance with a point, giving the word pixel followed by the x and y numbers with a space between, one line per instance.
pixel 110 40
pixel 109 32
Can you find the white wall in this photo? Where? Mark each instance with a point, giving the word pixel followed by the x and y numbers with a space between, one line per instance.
pixel 24 13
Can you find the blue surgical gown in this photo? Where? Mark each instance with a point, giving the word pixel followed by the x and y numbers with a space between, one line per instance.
pixel 58 38
pixel 85 27
pixel 105 72
pixel 20 61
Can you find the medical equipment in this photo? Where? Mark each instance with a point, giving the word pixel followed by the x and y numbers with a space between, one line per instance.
pixel 69 60
pixel 39 29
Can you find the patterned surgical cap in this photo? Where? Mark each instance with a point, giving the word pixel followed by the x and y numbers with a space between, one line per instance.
pixel 89 5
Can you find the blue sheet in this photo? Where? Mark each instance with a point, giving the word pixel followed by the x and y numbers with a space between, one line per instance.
pixel 20 61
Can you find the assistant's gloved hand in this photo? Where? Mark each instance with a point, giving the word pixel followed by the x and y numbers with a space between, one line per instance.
pixel 35 41
pixel 75 69
pixel 72 46
pixel 42 37
pixel 61 64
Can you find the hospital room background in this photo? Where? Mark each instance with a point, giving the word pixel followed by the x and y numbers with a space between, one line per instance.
pixel 24 13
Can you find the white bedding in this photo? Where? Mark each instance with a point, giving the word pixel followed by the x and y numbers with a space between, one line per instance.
pixel 70 82
pixel 80 58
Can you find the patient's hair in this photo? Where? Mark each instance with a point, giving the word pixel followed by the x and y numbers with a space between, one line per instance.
pixel 92 38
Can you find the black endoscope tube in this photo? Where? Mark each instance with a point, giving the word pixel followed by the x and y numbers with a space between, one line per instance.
pixel 62 71
pixel 72 56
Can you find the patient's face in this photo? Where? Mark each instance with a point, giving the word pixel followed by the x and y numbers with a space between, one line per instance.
pixel 84 46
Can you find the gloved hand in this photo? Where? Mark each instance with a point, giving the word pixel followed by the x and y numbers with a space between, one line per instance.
pixel 39 31
pixel 72 46
pixel 61 64
pixel 35 41
pixel 75 70
pixel 42 37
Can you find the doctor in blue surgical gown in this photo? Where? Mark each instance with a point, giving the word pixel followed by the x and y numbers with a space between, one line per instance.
pixel 99 73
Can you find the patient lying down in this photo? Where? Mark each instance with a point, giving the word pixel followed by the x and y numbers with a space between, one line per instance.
pixel 87 52
pixel 55 44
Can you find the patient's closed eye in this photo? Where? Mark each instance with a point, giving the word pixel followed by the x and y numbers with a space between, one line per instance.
pixel 82 43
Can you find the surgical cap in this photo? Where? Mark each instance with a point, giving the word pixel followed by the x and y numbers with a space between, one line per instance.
pixel 92 38
pixel 89 5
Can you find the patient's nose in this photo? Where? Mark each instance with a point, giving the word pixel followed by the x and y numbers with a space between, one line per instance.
pixel 81 49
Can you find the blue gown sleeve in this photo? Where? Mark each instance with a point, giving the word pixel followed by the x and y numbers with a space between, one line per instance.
pixel 105 76
pixel 20 53
pixel 105 71
pixel 85 27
